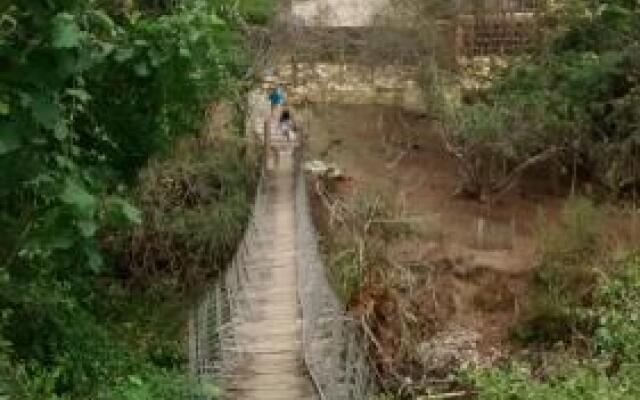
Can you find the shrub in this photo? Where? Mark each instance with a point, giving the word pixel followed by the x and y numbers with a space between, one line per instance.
pixel 617 306
pixel 496 138
pixel 89 93
pixel 195 206
pixel 574 100
pixel 612 372
pixel 576 237
pixel 565 280
pixel 367 225
pixel 348 276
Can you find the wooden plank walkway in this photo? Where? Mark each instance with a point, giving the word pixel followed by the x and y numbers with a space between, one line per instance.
pixel 274 369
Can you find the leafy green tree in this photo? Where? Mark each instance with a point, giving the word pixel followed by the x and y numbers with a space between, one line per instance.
pixel 90 91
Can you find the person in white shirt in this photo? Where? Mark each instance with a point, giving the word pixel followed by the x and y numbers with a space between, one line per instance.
pixel 286 126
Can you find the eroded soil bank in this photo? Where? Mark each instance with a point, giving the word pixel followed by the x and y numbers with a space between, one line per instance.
pixel 439 280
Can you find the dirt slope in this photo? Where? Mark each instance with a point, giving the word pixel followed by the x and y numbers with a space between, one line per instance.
pixel 467 285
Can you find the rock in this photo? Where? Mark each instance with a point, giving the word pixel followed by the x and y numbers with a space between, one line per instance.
pixel 450 350
pixel 321 168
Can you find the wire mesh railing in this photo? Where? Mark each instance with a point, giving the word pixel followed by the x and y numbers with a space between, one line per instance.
pixel 332 342
pixel 214 347
pixel 333 345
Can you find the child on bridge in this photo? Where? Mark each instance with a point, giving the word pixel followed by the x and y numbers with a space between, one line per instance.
pixel 277 99
pixel 286 125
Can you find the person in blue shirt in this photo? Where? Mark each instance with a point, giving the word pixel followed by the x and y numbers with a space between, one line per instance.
pixel 277 99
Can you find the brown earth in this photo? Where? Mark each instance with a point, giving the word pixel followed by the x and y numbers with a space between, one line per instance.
pixel 463 283
pixel 459 292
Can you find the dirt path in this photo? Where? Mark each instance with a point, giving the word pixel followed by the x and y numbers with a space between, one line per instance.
pixel 274 368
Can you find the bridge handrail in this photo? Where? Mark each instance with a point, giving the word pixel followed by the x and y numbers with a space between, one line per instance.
pixel 332 341
pixel 225 303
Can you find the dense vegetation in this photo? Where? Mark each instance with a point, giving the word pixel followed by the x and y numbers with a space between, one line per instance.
pixel 567 107
pixel 90 90
pixel 573 101
pixel 597 361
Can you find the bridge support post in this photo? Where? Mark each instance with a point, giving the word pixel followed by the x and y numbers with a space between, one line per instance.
pixel 267 142
pixel 193 342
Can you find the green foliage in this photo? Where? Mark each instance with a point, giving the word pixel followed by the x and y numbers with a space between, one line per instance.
pixel 611 372
pixel 158 384
pixel 565 279
pixel 598 25
pixel 578 94
pixel 368 224
pixel 347 274
pixel 589 78
pixel 257 12
pixel 196 204
pixel 618 301
pixel 575 239
pixel 90 91
pixel 581 382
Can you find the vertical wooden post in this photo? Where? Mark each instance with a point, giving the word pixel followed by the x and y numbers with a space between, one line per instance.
pixel 303 133
pixel 294 72
pixel 219 322
pixel 513 232
pixel 480 232
pixel 459 35
pixel 203 337
pixel 267 141
pixel 193 342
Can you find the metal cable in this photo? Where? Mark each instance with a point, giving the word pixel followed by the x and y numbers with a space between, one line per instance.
pixel 332 343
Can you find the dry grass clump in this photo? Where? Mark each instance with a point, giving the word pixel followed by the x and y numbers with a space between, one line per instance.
pixel 567 276
pixel 196 204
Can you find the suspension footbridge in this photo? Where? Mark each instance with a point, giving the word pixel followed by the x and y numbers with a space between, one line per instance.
pixel 271 326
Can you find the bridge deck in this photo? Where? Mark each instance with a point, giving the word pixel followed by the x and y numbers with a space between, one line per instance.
pixel 274 367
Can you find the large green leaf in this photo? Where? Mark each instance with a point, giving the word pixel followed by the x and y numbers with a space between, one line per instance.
pixel 79 198
pixel 123 54
pixel 104 20
pixel 9 139
pixel 216 20
pixel 125 211
pixel 95 261
pixel 45 111
pixel 61 132
pixel 87 227
pixel 65 34
pixel 80 94
pixel 132 213
pixel 63 240
pixel 142 70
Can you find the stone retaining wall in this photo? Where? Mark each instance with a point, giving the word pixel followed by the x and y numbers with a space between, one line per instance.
pixel 336 12
pixel 339 84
